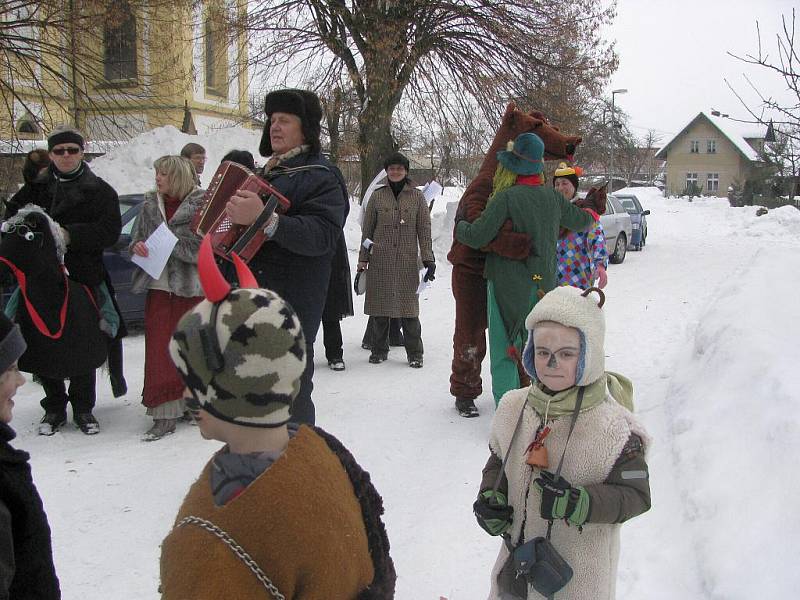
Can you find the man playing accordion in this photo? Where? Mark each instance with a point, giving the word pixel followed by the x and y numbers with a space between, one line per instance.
pixel 295 261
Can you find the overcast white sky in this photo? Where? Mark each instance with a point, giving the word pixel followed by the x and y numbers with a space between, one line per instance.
pixel 673 57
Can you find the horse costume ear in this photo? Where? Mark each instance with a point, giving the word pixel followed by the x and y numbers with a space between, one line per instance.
pixel 214 285
pixel 243 273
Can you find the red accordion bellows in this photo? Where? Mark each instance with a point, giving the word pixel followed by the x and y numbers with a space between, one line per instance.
pixel 211 218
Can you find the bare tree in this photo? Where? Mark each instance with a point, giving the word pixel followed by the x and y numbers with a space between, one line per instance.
pixel 425 51
pixel 785 115
pixel 782 117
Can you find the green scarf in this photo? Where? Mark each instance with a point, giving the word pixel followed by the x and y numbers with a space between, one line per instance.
pixel 563 403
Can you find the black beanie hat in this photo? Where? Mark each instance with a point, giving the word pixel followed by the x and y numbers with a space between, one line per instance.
pixel 64 134
pixel 396 158
pixel 303 103
pixel 12 344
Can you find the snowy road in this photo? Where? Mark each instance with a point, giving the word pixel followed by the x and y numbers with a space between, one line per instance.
pixel 112 498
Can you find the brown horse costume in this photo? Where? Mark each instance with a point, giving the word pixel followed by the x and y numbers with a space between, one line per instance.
pixel 468 284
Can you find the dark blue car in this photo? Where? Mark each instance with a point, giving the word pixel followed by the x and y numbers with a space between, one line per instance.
pixel 633 207
pixel 119 265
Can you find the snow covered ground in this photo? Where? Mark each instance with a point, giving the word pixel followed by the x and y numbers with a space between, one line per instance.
pixel 704 322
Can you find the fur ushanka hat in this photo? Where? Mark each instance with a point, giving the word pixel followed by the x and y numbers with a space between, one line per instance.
pixel 241 352
pixel 302 103
pixel 572 307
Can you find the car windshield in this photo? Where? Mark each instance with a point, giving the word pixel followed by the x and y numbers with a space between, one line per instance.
pixel 629 204
pixel 126 203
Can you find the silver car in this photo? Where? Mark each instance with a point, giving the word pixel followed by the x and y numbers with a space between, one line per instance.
pixel 617 227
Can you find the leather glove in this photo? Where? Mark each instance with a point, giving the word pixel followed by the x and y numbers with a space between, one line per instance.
pixel 429 274
pixel 560 500
pixel 492 512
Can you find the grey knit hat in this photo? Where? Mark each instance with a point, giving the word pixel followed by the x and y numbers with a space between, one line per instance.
pixel 12 344
pixel 261 357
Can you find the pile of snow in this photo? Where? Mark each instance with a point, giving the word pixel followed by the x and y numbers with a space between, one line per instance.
pixel 734 401
pixel 129 167
pixel 442 217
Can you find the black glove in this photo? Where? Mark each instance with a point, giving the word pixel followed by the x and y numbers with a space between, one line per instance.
pixel 431 270
pixel 560 500
pixel 493 513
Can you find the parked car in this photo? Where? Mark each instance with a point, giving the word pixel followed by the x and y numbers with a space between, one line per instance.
pixel 638 219
pixel 118 263
pixel 617 228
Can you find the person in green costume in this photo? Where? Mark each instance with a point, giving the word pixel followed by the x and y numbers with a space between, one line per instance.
pixel 514 286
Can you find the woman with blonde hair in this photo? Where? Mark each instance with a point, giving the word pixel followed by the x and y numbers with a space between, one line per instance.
pixel 174 202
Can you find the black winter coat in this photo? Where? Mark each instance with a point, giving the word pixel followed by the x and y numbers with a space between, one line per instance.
pixel 87 207
pixel 339 301
pixel 26 555
pixel 296 262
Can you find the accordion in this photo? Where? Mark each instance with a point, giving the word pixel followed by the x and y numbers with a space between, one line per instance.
pixel 211 219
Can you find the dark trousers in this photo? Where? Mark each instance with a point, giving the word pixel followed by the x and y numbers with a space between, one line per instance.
pixel 302 410
pixel 81 394
pixel 332 338
pixel 395 332
pixel 412 332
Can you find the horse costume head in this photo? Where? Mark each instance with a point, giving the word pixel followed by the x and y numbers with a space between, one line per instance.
pixel 31 242
pixel 59 318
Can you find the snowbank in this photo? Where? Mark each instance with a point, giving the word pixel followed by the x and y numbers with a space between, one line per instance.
pixel 734 401
pixel 129 167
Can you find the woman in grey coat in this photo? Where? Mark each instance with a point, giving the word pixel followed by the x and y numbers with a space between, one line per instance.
pixel 174 202
pixel 398 222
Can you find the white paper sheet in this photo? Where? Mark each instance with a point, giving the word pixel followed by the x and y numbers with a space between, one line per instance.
pixel 368 194
pixel 423 285
pixel 431 190
pixel 159 247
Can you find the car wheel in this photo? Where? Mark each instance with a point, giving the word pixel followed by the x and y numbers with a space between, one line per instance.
pixel 620 248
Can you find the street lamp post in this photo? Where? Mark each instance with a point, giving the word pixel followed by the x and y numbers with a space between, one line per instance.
pixel 613 126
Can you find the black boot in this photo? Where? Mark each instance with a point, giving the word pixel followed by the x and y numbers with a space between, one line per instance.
pixel 119 387
pixel 466 407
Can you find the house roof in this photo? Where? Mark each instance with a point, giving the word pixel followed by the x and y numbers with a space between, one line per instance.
pixel 724 128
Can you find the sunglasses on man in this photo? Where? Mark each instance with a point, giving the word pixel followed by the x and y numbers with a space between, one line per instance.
pixel 63 151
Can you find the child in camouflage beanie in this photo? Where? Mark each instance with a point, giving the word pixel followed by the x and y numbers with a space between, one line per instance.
pixel 259 353
pixel 252 521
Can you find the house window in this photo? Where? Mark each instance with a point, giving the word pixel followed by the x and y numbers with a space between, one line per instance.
pixel 712 182
pixel 691 179
pixel 711 146
pixel 216 58
pixel 694 146
pixel 119 44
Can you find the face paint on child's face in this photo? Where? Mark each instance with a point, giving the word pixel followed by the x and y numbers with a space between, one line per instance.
pixel 556 351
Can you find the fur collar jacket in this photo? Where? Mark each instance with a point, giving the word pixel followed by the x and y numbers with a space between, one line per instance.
pixel 181 269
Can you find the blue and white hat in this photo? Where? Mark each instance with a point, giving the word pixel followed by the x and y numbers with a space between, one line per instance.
pixel 572 307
